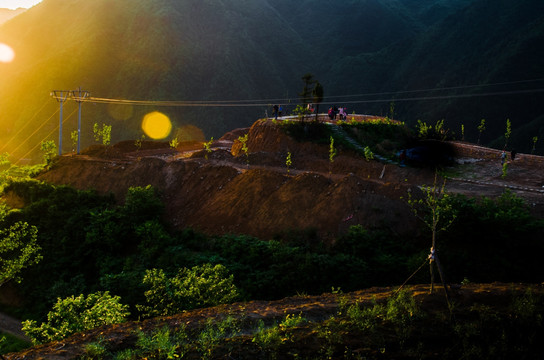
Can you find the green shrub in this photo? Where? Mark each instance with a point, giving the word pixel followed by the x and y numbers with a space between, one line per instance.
pixel 161 344
pixel 213 333
pixel 75 314
pixel 200 286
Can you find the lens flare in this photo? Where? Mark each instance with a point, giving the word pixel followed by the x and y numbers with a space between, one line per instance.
pixel 6 53
pixel 156 125
pixel 190 133
pixel 120 112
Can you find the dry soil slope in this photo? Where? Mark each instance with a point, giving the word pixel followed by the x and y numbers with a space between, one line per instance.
pixel 223 194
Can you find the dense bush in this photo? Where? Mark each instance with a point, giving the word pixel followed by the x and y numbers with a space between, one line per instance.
pixel 493 240
pixel 75 314
pixel 200 286
pixel 90 244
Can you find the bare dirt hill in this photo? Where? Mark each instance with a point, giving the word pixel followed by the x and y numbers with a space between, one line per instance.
pixel 225 191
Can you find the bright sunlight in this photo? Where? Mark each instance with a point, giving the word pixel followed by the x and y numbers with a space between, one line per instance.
pixel 156 125
pixel 6 53
pixel 14 4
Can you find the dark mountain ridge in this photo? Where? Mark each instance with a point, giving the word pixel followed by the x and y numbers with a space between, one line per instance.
pixel 199 50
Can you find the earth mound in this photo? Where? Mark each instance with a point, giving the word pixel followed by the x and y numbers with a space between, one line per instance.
pixel 225 190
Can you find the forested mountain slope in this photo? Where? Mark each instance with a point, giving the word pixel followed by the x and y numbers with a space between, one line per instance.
pixel 214 51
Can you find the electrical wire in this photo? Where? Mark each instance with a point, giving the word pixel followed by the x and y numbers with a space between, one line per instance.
pixel 28 123
pixel 327 100
pixel 47 136
pixel 159 103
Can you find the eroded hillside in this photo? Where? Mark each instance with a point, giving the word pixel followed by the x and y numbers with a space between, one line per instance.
pixel 229 192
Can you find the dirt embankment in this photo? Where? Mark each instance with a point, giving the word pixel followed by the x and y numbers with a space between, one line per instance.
pixel 313 308
pixel 228 191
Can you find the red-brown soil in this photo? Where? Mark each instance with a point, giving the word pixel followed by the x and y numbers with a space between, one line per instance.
pixel 229 192
pixel 225 191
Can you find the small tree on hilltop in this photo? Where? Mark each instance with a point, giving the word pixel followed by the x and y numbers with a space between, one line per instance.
pixel 208 147
pixel 481 129
pixel 74 138
pixel 436 212
pixel 318 97
pixel 507 133
pixel 102 134
pixel 307 90
pixel 49 149
pixel 245 149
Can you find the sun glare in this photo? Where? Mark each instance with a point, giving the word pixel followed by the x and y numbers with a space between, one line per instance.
pixel 6 53
pixel 156 125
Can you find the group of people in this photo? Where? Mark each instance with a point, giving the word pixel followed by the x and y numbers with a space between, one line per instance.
pixel 337 113
pixel 277 111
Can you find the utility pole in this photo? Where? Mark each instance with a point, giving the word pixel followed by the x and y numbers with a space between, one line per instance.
pixel 79 96
pixel 60 96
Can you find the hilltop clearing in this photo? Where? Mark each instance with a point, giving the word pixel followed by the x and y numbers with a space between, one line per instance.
pixel 229 192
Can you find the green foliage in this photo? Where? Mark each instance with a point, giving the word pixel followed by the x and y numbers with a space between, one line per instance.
pixel 208 147
pixel 315 131
pixel 161 344
pixel 49 149
pixel 332 150
pixel 288 161
pixel 10 343
pixel 243 140
pixel 535 139
pixel 74 135
pixel 436 132
pixel 423 129
pixel 270 269
pixel 386 137
pixel 75 314
pixel 102 134
pixel 200 286
pixel 95 351
pixel 433 208
pixel 481 129
pixel 507 133
pixel 143 203
pixel 504 169
pixel 137 142
pixel 369 155
pixel 269 339
pixel 213 333
pixel 19 249
pixel 484 224
pixel 365 318
pixel 174 143
pixel 301 111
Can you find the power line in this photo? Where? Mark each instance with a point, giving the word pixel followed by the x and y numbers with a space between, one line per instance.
pixel 35 131
pixel 239 103
pixel 28 123
pixel 268 102
pixel 48 135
